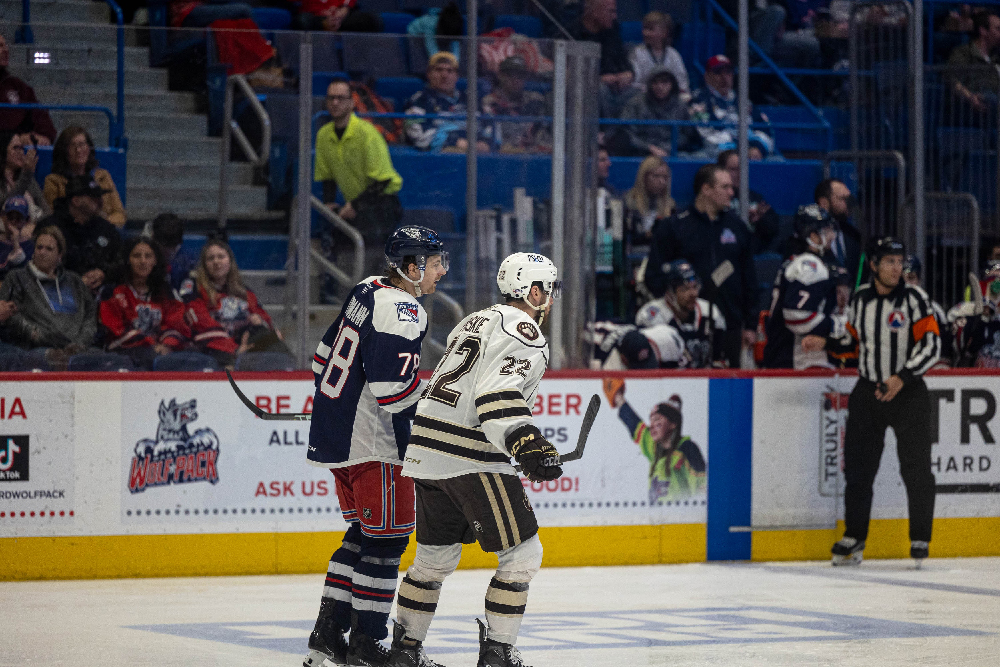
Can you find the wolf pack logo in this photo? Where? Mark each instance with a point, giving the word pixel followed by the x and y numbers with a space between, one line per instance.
pixel 14 458
pixel 407 312
pixel 832 426
pixel 176 456
pixel 147 319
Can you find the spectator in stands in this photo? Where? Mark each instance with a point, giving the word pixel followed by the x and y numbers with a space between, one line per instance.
pixel 440 97
pixel 599 23
pixel 441 28
pixel 335 16
pixel 17 242
pixel 74 155
pixel 167 231
pixel 717 102
pixel 656 53
pixel 54 309
pixel 661 101
pixel 719 247
pixel 352 155
pixel 845 250
pixel 34 123
pixel 218 291
pixel 237 38
pixel 17 174
pixel 92 243
pixel 142 319
pixel 994 252
pixel 648 200
pixel 973 70
pixel 509 98
pixel 604 171
pixel 762 219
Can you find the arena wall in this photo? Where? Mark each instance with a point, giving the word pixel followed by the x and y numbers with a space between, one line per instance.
pixel 170 475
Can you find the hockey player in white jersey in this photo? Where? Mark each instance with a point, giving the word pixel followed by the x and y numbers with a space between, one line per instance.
pixel 366 393
pixel 804 298
pixel 681 308
pixel 475 416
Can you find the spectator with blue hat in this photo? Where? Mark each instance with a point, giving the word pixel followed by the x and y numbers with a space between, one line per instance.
pixel 16 242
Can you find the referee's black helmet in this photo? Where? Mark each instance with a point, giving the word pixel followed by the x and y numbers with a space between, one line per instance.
pixel 883 247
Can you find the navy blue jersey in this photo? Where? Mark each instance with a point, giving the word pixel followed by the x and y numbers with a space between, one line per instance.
pixel 803 303
pixel 366 378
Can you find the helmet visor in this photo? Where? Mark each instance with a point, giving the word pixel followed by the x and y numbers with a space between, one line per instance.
pixel 555 289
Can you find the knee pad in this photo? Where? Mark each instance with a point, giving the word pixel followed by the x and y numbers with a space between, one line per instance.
pixel 434 563
pixel 377 547
pixel 522 562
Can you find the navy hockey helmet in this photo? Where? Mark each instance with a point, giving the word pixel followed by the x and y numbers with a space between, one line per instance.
pixel 885 247
pixel 809 219
pixel 911 264
pixel 416 242
pixel 680 272
pixel 992 269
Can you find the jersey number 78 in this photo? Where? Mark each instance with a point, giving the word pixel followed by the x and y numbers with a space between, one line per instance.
pixel 341 361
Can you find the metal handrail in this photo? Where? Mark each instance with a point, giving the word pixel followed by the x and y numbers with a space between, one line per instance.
pixel 230 129
pixel 355 237
pixel 73 107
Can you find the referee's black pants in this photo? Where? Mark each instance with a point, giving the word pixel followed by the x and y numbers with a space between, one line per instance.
pixel 867 421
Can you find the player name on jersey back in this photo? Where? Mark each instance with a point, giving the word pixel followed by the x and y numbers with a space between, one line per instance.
pixel 482 389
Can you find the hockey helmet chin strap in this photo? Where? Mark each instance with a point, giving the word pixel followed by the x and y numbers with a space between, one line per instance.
pixel 539 310
pixel 415 283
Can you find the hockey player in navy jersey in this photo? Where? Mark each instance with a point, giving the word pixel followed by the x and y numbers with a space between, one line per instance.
pixel 804 298
pixel 366 394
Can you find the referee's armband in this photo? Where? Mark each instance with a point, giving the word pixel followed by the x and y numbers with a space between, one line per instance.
pixel 924 326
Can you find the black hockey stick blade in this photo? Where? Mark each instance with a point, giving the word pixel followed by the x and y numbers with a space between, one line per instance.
pixel 588 422
pixel 291 416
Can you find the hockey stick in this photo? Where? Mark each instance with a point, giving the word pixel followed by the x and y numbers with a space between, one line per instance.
pixel 289 416
pixel 976 293
pixel 581 442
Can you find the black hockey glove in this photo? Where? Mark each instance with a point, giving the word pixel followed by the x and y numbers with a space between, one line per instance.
pixel 538 459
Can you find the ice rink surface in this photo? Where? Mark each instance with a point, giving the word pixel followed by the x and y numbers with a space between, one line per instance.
pixel 883 613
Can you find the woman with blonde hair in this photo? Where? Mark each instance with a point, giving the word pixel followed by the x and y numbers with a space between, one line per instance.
pixel 648 199
pixel 217 292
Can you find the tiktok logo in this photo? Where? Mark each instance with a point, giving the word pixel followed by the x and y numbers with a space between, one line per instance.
pixel 13 458
pixel 7 454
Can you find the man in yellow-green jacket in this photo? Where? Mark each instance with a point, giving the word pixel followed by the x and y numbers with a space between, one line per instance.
pixel 676 465
pixel 351 155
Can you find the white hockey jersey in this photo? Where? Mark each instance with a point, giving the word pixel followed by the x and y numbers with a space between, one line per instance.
pixel 481 391
pixel 696 332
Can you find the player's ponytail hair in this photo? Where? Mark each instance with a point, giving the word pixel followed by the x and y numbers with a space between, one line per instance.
pixel 234 282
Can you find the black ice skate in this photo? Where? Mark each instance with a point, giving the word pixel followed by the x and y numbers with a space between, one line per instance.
pixel 495 654
pixel 327 644
pixel 848 551
pixel 919 551
pixel 363 651
pixel 407 652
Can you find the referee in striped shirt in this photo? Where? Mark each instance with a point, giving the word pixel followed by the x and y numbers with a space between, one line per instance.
pixel 898 341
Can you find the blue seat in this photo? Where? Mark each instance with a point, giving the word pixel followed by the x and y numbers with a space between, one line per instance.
pixel 327 52
pixel 373 56
pixel 398 89
pixel 529 26
pixel 322 80
pixel 631 31
pixel 108 362
pixel 265 361
pixel 185 361
pixel 272 18
pixel 33 360
pixel 679 10
pixel 395 22
pixel 382 6
pixel 631 10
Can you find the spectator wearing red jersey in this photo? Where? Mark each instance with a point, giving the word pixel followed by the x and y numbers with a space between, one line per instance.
pixel 225 314
pixel 142 319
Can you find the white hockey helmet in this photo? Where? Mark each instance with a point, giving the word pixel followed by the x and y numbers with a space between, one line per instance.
pixel 522 269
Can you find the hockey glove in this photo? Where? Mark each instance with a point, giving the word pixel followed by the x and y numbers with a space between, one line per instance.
pixel 538 459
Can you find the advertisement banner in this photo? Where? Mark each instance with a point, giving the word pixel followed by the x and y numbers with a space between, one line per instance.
pixel 194 454
pixel 37 457
pixel 645 461
pixel 798 435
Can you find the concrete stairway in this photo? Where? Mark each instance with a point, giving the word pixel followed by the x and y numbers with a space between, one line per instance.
pixel 172 164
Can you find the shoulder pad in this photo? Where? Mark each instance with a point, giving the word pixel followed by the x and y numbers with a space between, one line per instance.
pixel 807 269
pixel 395 312
pixel 516 324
